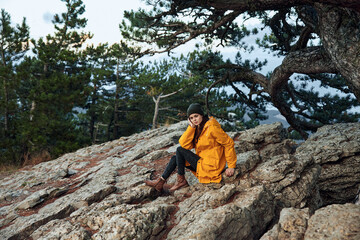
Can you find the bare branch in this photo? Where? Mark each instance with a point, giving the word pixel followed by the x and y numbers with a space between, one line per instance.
pixel 170 94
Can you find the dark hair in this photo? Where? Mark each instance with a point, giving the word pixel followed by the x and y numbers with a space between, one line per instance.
pixel 199 129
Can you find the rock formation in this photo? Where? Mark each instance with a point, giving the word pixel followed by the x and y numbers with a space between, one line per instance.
pixel 280 190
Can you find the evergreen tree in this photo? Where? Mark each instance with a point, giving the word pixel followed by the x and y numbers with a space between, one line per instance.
pixel 99 67
pixel 126 116
pixel 14 43
pixel 54 87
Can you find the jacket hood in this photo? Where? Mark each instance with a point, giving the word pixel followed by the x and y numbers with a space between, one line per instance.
pixel 212 122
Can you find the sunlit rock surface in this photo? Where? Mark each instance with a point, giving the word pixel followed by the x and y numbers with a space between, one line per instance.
pixel 280 190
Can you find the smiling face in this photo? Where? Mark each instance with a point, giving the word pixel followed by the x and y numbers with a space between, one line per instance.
pixel 196 118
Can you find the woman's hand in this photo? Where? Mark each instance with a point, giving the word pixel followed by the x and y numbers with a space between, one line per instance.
pixel 191 124
pixel 229 172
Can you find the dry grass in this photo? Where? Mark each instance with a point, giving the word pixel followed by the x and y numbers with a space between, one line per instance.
pixel 37 158
pixel 6 169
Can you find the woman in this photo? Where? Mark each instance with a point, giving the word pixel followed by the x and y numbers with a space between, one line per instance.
pixel 214 148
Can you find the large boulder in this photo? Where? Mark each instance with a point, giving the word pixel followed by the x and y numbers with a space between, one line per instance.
pixel 259 137
pixel 212 214
pixel 336 221
pixel 292 225
pixel 336 148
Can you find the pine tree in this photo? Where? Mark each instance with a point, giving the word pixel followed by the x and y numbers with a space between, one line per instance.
pixel 99 68
pixel 14 43
pixel 124 113
pixel 54 87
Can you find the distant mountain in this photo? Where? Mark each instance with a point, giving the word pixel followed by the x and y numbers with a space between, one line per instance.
pixel 275 116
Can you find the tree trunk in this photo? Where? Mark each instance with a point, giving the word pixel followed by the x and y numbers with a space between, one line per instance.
pixel 6 111
pixel 340 34
pixel 93 117
pixel 92 129
pixel 32 109
pixel 6 96
pixel 156 111
pixel 157 106
pixel 116 104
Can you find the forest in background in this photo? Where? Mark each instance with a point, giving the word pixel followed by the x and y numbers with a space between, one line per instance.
pixel 58 94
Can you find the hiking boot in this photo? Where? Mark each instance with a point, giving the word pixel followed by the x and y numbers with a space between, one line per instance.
pixel 180 182
pixel 157 183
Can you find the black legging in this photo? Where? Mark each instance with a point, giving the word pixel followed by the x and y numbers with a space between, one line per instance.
pixel 178 160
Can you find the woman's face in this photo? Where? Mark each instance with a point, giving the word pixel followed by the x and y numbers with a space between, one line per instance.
pixel 196 118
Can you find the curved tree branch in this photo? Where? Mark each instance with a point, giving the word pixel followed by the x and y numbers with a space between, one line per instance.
pixel 260 5
pixel 303 39
pixel 306 61
pixel 192 33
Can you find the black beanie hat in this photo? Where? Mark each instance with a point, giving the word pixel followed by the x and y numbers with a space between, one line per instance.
pixel 194 108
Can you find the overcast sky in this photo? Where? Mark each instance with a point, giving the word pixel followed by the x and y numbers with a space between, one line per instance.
pixel 103 16
pixel 103 22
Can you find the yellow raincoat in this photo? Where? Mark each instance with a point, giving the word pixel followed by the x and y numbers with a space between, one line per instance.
pixel 214 147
